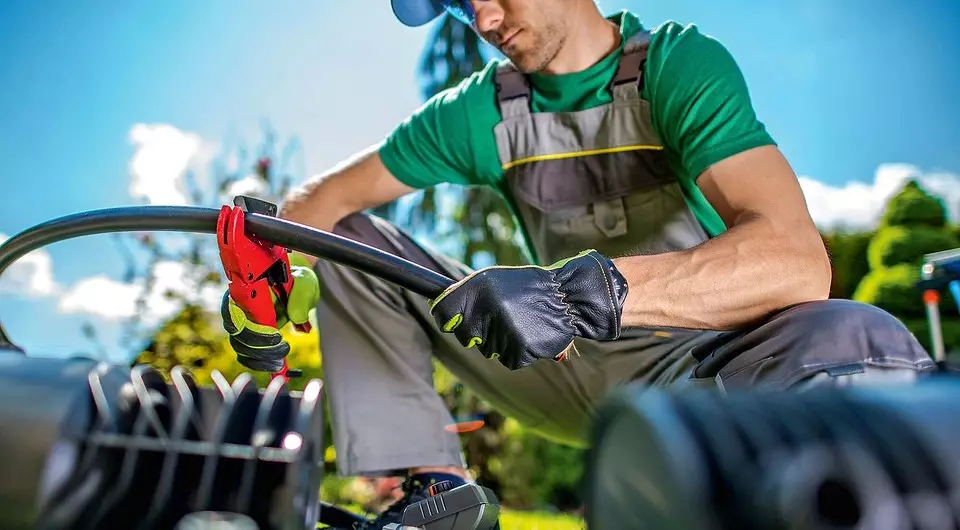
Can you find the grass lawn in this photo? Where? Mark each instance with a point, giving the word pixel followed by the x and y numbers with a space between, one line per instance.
pixel 515 520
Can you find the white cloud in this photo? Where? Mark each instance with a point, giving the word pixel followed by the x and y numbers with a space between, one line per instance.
pixel 112 300
pixel 101 296
pixel 31 275
pixel 251 185
pixel 158 168
pixel 163 156
pixel 858 205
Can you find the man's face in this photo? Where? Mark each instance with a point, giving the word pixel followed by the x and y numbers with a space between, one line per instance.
pixel 529 32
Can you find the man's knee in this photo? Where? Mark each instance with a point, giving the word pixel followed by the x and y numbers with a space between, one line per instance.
pixel 840 325
pixel 833 338
pixel 375 232
pixel 386 236
pixel 871 345
pixel 344 289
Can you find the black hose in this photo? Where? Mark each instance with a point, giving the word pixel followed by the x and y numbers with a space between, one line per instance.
pixel 321 244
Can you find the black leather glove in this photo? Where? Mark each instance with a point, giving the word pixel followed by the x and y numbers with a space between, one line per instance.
pixel 522 314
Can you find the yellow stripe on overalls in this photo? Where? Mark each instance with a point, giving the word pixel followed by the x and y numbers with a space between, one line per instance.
pixel 575 154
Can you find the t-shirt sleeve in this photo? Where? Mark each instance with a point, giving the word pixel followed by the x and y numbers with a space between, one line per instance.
pixel 433 145
pixel 699 99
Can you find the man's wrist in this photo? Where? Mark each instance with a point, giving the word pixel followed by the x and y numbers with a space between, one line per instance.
pixel 299 259
pixel 595 293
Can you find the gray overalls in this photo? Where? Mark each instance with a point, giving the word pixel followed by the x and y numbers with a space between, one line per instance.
pixel 590 179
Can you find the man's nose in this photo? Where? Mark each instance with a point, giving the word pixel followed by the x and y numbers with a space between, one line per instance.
pixel 488 13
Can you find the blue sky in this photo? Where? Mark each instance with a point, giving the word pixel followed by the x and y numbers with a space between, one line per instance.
pixel 846 88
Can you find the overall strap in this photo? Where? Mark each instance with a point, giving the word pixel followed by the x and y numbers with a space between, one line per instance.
pixel 513 87
pixel 513 90
pixel 630 70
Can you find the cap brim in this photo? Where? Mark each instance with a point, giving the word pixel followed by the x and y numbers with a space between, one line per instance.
pixel 415 13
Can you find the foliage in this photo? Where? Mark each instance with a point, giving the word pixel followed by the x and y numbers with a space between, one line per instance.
pixel 893 289
pixel 196 340
pixel 848 257
pixel 913 206
pixel 525 469
pixel 899 244
pixel 525 520
pixel 536 472
pixel 949 328
pixel 913 224
pixel 191 339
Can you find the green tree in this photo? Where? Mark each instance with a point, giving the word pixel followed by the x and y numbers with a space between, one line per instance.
pixel 913 224
pixel 848 258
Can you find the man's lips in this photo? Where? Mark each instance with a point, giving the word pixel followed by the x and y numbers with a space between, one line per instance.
pixel 510 38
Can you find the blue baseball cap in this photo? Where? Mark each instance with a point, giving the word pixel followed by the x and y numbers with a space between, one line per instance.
pixel 415 13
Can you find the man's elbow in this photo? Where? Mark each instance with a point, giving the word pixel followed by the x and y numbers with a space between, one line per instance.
pixel 815 272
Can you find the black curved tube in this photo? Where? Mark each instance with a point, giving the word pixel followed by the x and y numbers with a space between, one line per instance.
pixel 302 238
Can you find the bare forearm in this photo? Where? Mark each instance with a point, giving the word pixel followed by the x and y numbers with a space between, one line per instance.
pixel 323 199
pixel 359 183
pixel 311 205
pixel 740 276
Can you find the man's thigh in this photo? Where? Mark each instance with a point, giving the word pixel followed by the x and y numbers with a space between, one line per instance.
pixel 554 398
pixel 557 399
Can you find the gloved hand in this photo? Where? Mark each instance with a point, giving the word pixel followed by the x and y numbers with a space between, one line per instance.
pixel 522 314
pixel 261 347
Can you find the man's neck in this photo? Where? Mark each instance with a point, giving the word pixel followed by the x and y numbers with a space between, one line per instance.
pixel 592 37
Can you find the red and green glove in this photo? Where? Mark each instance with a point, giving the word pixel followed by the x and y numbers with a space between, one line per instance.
pixel 260 346
pixel 522 314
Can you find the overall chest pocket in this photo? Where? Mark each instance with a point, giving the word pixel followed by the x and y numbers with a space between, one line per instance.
pixel 624 203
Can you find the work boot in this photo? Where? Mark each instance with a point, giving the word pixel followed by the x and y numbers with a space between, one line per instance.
pixel 415 489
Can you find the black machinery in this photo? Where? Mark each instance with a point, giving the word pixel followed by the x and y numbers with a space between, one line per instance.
pixel 881 458
pixel 940 270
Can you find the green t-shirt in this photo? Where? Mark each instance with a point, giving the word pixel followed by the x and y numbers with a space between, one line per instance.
pixel 699 103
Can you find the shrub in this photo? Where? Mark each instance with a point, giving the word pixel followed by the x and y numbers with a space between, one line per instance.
pixel 897 245
pixel 913 224
pixel 914 206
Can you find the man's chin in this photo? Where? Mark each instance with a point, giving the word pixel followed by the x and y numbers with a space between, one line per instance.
pixel 525 63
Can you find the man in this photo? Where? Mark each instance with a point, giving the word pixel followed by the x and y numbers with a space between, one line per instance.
pixel 673 242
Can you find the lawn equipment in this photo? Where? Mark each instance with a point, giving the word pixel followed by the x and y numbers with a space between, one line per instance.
pixel 940 270
pixel 90 445
pixel 856 458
